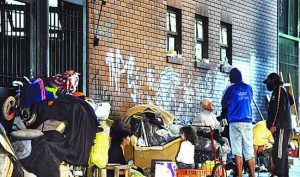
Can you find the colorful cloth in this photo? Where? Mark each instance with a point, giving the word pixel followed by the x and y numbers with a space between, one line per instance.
pixel 32 92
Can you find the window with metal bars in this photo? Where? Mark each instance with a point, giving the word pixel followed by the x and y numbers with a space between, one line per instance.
pixel 65 38
pixel 15 41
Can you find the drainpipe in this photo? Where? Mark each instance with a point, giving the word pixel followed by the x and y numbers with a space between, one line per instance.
pixel 43 60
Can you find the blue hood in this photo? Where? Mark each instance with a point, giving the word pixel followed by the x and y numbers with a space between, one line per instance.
pixel 235 76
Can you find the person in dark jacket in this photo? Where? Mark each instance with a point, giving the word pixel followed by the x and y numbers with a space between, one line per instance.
pixel 118 142
pixel 120 138
pixel 237 103
pixel 279 123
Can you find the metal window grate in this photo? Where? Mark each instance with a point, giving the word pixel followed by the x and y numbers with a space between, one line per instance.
pixel 65 37
pixel 15 42
pixel 288 63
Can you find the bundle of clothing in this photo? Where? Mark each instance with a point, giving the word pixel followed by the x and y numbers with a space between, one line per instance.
pixel 37 90
pixel 72 147
pixel 149 130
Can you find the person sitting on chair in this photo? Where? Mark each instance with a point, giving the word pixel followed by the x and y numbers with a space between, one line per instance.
pixel 262 141
pixel 120 138
pixel 208 118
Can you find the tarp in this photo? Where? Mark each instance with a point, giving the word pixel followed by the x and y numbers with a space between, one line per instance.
pixel 166 117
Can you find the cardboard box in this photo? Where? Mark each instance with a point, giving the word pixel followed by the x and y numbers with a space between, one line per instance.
pixel 293 152
pixel 144 155
pixel 191 173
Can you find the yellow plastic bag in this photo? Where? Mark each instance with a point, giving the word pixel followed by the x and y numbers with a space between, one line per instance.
pixel 99 151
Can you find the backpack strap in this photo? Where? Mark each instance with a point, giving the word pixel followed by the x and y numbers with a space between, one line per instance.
pixel 278 100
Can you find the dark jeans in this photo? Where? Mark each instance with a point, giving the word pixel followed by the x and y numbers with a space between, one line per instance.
pixel 281 166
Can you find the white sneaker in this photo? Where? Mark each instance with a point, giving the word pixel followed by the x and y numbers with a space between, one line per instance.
pixel 262 168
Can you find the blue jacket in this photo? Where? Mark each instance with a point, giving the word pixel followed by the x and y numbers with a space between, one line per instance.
pixel 237 99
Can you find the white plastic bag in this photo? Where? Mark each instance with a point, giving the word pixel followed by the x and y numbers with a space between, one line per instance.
pixel 102 110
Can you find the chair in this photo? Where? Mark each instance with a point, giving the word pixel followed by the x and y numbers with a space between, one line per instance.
pixel 102 172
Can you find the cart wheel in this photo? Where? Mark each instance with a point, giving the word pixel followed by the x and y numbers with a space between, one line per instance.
pixel 8 108
pixel 218 171
pixel 31 115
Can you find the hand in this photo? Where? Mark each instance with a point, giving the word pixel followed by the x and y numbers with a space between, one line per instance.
pixel 260 149
pixel 273 129
pixel 134 167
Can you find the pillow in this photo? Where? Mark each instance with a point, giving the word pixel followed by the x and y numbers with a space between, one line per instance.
pixel 26 134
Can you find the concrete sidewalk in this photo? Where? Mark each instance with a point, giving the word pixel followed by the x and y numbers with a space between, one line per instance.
pixel 294 170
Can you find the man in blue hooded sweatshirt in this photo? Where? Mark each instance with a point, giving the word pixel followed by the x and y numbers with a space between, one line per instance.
pixel 237 102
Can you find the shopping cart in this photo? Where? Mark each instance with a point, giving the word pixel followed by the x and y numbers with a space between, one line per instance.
pixel 207 149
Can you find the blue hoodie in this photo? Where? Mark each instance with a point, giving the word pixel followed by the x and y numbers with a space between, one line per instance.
pixel 237 99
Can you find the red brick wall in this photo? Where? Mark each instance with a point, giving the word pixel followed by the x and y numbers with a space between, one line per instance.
pixel 129 65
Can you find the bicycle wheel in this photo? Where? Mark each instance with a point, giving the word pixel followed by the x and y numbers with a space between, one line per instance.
pixel 8 108
pixel 218 171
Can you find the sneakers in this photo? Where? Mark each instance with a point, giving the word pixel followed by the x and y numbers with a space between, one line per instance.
pixel 230 165
pixel 262 168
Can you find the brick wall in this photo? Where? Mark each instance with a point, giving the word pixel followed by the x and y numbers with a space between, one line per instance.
pixel 129 67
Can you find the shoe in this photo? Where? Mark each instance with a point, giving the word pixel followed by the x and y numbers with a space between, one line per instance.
pixel 230 165
pixel 263 169
pixel 257 168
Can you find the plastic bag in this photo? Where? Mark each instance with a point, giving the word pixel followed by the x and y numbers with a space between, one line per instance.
pixel 135 173
pixel 102 110
pixel 99 151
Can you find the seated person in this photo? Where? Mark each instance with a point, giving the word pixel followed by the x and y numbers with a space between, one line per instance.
pixel 120 137
pixel 185 157
pixel 208 118
pixel 262 141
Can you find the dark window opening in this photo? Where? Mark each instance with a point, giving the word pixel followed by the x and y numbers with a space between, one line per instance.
pixel 226 43
pixel 201 38
pixel 174 31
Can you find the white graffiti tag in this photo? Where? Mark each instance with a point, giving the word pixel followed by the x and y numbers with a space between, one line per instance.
pixel 169 81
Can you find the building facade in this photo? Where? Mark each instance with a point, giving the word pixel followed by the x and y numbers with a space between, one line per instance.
pixel 174 53
pixel 171 53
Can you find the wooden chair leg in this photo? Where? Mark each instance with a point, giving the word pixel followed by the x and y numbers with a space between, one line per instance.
pixel 89 172
pixel 116 172
pixel 126 173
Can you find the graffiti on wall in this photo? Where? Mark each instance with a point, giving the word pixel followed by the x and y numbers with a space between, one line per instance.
pixel 178 94
pixel 115 63
pixel 168 82
pixel 150 78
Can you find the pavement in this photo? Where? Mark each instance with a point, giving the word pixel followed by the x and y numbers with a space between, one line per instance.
pixel 294 170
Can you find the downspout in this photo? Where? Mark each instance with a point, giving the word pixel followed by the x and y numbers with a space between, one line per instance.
pixel 43 61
